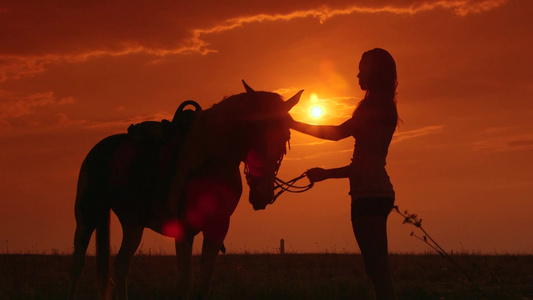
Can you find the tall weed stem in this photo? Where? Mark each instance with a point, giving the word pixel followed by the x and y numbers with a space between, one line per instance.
pixel 413 219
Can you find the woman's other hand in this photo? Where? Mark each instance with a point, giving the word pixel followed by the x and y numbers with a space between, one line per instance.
pixel 316 174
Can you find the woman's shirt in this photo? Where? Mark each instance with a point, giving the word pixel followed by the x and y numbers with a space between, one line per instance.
pixel 373 126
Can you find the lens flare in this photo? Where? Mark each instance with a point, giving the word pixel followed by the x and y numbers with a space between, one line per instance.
pixel 313 98
pixel 173 229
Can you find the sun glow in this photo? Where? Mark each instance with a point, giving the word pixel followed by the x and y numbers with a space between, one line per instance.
pixel 316 111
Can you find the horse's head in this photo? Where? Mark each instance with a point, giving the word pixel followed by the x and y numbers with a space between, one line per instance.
pixel 269 124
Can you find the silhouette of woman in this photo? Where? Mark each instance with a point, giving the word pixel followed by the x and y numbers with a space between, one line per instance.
pixel 372 125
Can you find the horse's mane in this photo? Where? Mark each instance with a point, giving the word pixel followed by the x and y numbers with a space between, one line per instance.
pixel 237 118
pixel 262 101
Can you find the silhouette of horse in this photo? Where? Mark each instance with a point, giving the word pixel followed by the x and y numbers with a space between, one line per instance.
pixel 179 178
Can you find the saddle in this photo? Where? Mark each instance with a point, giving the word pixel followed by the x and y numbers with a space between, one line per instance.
pixel 166 130
pixel 149 157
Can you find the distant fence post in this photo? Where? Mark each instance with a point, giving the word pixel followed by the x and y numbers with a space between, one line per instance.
pixel 282 246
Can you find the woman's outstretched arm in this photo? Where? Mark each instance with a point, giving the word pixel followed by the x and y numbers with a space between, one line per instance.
pixel 327 132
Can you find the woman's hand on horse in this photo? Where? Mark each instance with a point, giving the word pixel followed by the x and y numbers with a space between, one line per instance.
pixel 290 121
pixel 316 174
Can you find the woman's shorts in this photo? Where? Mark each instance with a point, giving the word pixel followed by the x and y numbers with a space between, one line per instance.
pixel 372 206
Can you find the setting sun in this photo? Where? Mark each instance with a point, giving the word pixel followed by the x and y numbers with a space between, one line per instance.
pixel 316 111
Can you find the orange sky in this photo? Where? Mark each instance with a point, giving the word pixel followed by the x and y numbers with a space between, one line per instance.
pixel 71 75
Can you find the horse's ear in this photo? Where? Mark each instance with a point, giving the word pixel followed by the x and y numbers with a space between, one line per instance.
pixel 293 100
pixel 249 90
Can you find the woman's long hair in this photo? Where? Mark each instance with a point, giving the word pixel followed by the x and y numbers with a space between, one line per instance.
pixel 381 76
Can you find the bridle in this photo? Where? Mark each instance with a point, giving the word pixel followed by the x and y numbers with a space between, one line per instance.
pixel 280 185
pixel 250 179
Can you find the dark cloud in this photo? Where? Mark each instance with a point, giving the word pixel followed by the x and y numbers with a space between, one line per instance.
pixel 527 143
pixel 505 143
pixel 18 104
pixel 36 33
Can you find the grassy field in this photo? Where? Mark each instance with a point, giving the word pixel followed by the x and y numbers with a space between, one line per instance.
pixel 279 277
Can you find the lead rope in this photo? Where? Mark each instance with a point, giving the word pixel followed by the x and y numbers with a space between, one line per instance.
pixel 289 186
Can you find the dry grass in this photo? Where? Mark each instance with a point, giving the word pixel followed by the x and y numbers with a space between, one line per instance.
pixel 289 276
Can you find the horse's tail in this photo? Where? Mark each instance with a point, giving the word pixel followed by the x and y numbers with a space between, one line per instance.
pixel 102 253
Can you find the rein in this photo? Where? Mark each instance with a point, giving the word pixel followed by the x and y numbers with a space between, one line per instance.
pixel 289 186
pixel 283 186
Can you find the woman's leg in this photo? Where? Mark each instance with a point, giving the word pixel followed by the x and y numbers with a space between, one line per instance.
pixel 371 235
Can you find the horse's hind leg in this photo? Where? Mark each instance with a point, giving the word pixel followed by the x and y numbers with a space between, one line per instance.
pixel 184 258
pixel 131 238
pixel 81 242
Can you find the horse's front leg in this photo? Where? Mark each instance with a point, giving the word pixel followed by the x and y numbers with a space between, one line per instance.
pixel 214 235
pixel 184 258
pixel 210 251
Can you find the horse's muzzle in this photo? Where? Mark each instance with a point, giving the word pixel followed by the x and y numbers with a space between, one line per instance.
pixel 260 200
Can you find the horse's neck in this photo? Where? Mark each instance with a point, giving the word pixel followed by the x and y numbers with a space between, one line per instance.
pixel 221 137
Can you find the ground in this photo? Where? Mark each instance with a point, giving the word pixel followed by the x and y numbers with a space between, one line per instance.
pixel 288 276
